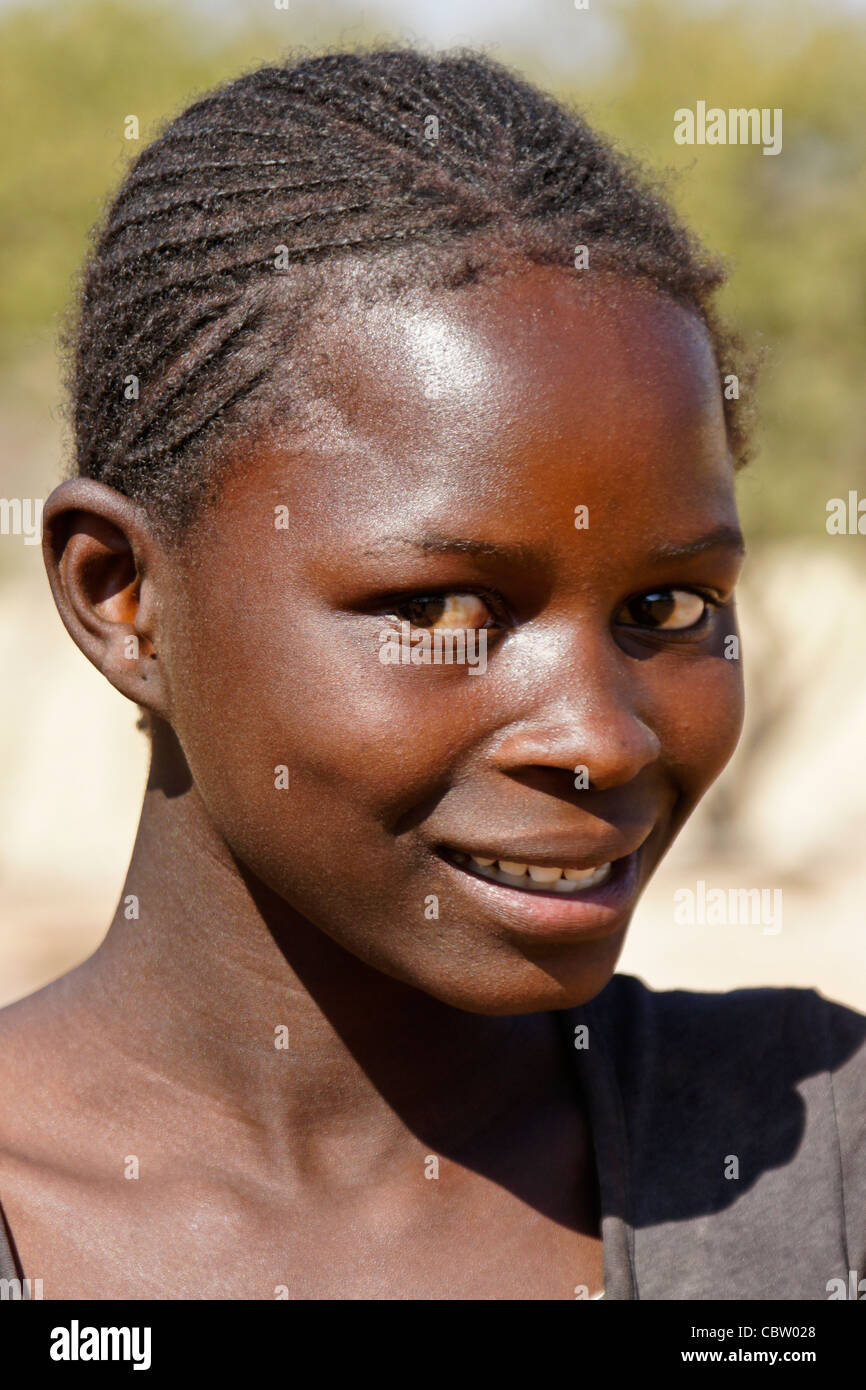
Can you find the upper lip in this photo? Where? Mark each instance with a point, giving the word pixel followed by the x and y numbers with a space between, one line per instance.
pixel 549 854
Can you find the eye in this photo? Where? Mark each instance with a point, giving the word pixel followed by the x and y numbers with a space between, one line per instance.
pixel 456 610
pixel 670 610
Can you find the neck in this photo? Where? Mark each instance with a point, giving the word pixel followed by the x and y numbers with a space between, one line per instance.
pixel 216 971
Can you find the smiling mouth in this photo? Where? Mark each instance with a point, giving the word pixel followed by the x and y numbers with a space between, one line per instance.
pixel 534 878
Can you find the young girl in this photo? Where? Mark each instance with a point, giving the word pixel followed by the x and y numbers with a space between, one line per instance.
pixel 371 347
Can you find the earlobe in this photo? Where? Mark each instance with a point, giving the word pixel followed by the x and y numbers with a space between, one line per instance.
pixel 98 549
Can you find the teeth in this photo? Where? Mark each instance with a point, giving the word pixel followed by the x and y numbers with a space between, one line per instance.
pixel 545 876
pixel 508 866
pixel 541 874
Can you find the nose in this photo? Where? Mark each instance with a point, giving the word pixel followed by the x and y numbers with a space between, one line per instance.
pixel 584 714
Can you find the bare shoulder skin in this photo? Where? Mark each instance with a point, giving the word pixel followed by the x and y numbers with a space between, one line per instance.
pixel 248 1085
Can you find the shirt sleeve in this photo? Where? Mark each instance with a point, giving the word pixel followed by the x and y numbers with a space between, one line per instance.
pixel 846 1031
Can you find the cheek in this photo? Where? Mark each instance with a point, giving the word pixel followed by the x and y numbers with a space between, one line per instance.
pixel 700 718
pixel 366 749
pixel 302 743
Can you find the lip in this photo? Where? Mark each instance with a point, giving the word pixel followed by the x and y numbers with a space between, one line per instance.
pixel 596 912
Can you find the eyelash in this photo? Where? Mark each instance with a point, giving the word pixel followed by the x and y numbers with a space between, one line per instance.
pixel 713 600
pixel 500 610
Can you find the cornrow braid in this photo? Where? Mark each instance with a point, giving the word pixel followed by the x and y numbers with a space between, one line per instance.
pixel 228 229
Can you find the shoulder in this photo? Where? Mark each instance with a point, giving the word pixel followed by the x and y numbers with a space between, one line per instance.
pixel 794 1030
pixel 766 1064
pixel 775 1074
pixel 741 1121
pixel 42 1064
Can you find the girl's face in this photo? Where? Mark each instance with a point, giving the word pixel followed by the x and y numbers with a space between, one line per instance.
pixel 539 458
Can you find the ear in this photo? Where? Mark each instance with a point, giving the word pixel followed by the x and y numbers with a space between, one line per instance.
pixel 100 552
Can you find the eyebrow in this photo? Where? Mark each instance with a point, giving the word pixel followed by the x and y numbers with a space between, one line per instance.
pixel 723 537
pixel 456 545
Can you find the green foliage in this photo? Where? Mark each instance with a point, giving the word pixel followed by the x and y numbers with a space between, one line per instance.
pixel 791 226
pixel 73 74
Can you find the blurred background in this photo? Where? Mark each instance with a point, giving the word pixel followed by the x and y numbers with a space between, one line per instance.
pixel 790 811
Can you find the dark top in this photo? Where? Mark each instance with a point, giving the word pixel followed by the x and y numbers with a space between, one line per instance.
pixel 730 1139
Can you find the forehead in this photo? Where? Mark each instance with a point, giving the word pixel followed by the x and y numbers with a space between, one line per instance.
pixel 537 390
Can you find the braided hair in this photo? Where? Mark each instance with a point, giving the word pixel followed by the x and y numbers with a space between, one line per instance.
pixel 233 227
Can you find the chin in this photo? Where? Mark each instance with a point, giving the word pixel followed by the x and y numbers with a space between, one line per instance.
pixel 537 986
